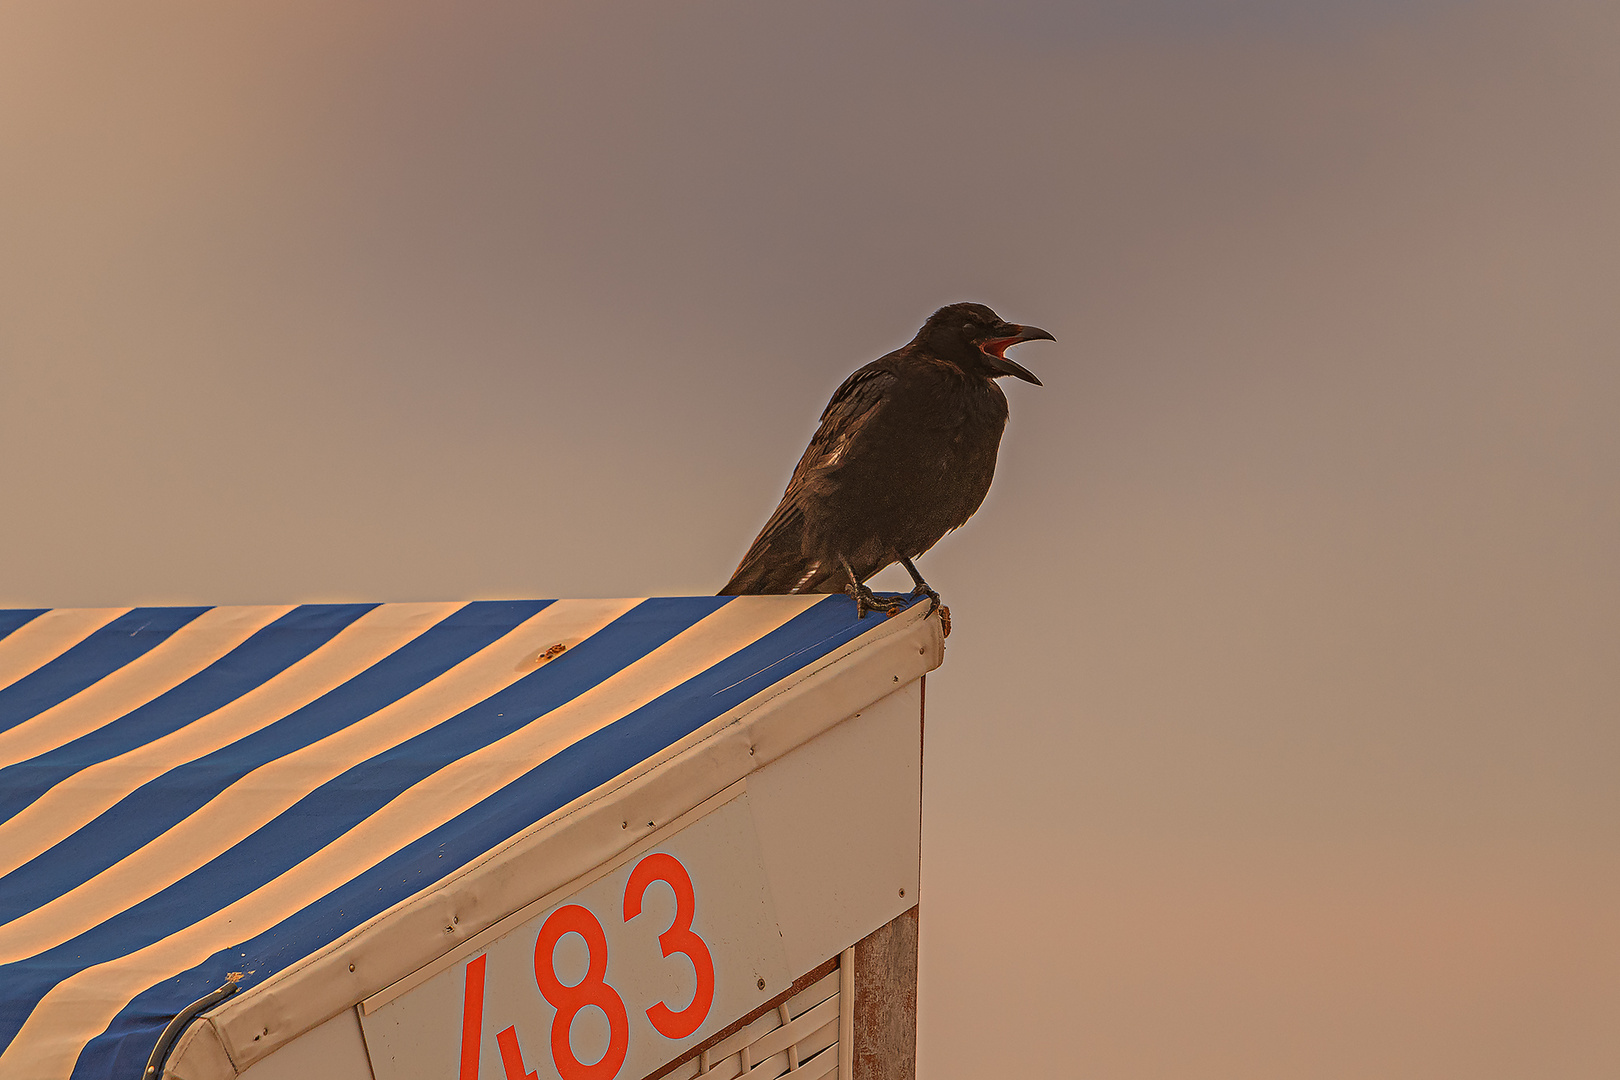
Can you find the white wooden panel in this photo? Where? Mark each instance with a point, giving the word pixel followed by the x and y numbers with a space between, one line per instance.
pixel 840 821
pixel 333 1051
pixel 419 1035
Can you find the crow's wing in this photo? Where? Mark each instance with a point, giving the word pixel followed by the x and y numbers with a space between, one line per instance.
pixel 777 562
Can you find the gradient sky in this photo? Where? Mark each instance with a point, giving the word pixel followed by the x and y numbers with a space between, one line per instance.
pixel 1278 734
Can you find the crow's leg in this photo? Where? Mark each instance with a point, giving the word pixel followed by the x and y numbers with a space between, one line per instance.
pixel 865 599
pixel 922 588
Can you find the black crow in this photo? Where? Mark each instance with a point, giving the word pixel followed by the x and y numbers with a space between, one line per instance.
pixel 904 454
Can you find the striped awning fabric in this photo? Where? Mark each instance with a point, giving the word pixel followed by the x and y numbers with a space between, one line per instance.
pixel 187 793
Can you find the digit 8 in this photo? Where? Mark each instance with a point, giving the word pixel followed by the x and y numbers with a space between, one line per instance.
pixel 591 990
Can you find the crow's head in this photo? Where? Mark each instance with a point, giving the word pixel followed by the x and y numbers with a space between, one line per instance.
pixel 976 339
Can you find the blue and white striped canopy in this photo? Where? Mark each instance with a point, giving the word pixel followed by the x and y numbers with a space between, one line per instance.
pixel 191 792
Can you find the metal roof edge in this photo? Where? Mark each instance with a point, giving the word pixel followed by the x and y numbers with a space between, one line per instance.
pixel 563 847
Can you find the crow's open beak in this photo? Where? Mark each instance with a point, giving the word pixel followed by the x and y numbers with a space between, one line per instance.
pixel 996 349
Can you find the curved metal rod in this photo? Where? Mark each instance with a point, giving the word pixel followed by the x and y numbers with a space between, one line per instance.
pixel 165 1043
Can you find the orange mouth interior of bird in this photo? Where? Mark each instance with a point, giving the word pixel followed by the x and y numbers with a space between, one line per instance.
pixel 997 347
pixel 995 350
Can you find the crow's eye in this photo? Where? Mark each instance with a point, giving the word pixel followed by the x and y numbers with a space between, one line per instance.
pixel 967 328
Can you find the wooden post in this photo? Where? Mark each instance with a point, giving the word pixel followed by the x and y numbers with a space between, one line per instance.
pixel 886 1001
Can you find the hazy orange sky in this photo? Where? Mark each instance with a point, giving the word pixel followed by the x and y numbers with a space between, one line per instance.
pixel 1278 734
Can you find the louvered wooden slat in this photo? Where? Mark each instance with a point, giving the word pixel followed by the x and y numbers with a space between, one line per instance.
pixel 803 1048
pixel 723 1057
pixel 773 1046
pixel 822 1065
pixel 818 1040
pixel 783 1037
pixel 772 1067
pixel 814 994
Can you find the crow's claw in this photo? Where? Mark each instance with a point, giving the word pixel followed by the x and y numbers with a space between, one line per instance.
pixel 866 600
pixel 933 597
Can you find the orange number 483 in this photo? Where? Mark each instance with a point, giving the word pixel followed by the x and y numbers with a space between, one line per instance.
pixel 593 989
